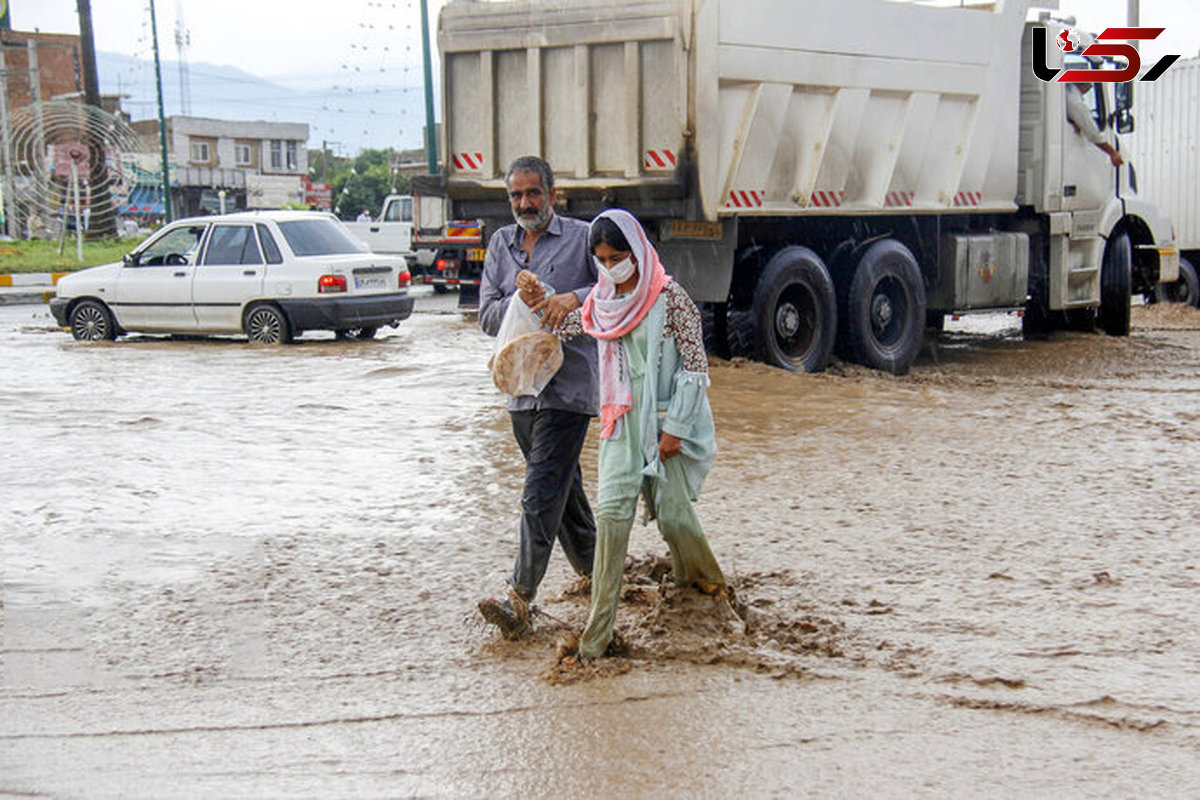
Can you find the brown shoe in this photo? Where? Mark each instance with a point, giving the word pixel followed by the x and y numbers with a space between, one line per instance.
pixel 511 616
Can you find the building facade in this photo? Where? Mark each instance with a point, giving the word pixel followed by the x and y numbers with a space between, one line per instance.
pixel 231 163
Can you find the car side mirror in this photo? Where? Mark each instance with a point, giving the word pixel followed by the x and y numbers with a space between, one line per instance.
pixel 1123 95
pixel 1124 121
pixel 130 260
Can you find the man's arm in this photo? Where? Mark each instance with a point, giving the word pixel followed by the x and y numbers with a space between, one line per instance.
pixel 493 302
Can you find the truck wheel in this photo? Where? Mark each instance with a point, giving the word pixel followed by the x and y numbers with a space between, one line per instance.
pixel 1116 279
pixel 795 311
pixel 440 288
pixel 714 325
pixel 886 308
pixel 91 321
pixel 740 332
pixel 1184 290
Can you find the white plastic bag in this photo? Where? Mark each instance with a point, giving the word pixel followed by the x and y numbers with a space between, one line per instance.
pixel 526 357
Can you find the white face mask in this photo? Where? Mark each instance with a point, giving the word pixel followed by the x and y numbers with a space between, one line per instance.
pixel 620 272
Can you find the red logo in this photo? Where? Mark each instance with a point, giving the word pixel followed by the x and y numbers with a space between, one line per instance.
pixel 1068 41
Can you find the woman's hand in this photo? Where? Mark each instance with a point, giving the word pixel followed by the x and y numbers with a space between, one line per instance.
pixel 557 308
pixel 669 446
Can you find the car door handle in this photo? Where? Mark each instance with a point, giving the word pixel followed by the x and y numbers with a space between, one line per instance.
pixel 249 272
pixel 180 274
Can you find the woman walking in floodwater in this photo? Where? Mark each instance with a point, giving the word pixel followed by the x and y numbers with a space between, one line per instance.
pixel 657 436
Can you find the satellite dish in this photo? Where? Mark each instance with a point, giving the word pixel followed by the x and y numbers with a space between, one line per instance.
pixel 75 168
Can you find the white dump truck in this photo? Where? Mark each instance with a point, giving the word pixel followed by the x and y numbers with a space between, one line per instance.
pixel 1166 149
pixel 820 174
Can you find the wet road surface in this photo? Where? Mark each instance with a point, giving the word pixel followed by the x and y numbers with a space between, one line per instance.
pixel 244 571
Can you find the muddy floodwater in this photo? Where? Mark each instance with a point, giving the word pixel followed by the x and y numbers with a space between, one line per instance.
pixel 237 571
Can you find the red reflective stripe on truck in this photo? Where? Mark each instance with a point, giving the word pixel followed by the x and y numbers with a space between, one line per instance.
pixel 659 159
pixel 745 198
pixel 468 161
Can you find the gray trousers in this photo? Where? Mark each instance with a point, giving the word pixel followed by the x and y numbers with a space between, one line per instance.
pixel 553 503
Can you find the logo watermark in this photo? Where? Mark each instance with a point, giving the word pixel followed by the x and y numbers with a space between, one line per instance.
pixel 1068 41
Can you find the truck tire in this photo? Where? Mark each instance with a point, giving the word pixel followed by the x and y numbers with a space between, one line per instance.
pixel 886 308
pixel 713 323
pixel 795 311
pixel 1116 280
pixel 1184 290
pixel 740 332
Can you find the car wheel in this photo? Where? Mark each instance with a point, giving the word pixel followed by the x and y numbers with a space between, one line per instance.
pixel 266 324
pixel 355 334
pixel 91 321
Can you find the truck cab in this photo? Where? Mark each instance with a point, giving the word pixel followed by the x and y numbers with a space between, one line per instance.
pixel 1103 243
pixel 392 231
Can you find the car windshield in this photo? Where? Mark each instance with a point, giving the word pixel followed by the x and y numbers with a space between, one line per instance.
pixel 319 237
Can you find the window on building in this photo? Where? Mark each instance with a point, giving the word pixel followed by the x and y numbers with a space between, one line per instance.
pixel 242 154
pixel 277 154
pixel 292 160
pixel 200 152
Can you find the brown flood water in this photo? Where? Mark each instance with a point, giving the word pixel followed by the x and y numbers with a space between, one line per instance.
pixel 233 571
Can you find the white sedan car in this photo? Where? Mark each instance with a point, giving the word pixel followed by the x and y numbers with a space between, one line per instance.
pixel 268 274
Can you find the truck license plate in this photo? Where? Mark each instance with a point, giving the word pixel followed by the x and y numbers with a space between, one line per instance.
pixel 476 253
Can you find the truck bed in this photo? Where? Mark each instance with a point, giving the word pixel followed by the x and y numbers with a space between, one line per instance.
pixel 749 107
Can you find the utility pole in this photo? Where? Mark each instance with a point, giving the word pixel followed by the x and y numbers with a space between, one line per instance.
pixel 100 202
pixel 6 152
pixel 431 155
pixel 162 120
pixel 91 81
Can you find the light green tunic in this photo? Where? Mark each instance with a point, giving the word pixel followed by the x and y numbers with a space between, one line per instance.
pixel 666 398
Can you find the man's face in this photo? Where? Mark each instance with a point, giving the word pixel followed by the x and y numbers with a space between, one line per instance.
pixel 532 205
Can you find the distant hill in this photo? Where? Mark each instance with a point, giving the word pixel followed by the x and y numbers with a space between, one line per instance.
pixel 348 118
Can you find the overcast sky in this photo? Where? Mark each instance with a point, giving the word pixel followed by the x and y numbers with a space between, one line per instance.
pixel 263 37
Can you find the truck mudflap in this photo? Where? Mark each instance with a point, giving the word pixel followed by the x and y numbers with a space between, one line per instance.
pixel 347 312
pixel 1166 257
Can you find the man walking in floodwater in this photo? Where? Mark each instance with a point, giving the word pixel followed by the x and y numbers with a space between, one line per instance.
pixel 551 427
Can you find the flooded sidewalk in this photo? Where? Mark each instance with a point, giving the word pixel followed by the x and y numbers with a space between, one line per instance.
pixel 241 571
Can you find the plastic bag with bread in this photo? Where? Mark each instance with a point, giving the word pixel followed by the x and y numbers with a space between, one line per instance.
pixel 526 357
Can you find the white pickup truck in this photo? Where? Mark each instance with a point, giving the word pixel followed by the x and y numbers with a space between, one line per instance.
pixel 392 230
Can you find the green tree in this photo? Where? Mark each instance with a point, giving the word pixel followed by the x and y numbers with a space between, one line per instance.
pixel 363 182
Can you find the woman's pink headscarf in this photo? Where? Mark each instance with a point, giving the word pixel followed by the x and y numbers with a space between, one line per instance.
pixel 608 317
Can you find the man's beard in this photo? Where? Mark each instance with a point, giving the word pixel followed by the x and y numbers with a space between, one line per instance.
pixel 536 222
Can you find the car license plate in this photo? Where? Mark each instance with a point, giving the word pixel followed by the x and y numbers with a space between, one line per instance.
pixel 370 282
pixel 476 253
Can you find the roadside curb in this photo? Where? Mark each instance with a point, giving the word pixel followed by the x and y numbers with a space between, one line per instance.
pixel 31 279
pixel 26 288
